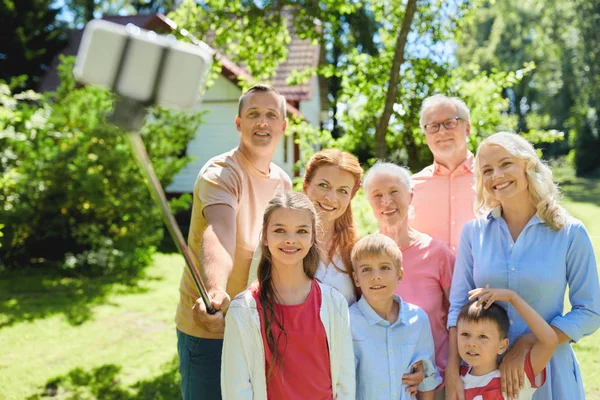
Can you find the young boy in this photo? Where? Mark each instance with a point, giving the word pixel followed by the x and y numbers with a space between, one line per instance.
pixel 389 335
pixel 482 329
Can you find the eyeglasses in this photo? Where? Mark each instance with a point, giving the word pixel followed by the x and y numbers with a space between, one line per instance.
pixel 450 123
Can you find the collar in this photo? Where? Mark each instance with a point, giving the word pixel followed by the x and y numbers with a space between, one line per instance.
pixel 496 213
pixel 375 319
pixel 467 166
pixel 250 167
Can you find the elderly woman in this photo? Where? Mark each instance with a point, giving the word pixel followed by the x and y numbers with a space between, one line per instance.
pixel 427 262
pixel 526 242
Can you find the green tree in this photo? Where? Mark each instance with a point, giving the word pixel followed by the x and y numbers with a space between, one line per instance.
pixel 71 190
pixel 31 37
pixel 377 82
pixel 559 98
pixel 341 34
pixel 383 93
pixel 585 114
pixel 86 10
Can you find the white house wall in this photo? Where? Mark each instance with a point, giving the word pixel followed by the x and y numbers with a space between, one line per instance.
pixel 218 134
pixel 311 109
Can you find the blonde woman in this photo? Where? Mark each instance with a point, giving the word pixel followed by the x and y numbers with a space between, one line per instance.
pixel 528 243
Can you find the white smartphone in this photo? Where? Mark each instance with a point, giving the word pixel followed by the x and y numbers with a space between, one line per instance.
pixel 142 65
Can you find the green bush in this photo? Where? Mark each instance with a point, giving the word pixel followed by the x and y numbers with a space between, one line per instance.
pixel 71 193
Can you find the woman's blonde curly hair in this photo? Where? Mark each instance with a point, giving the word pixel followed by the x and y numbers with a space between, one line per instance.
pixel 543 192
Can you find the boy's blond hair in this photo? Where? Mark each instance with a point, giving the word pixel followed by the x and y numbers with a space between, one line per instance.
pixel 375 245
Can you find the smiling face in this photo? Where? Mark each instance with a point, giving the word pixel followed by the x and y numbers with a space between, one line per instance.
pixel 376 276
pixel 261 123
pixel 479 344
pixel 504 176
pixel 289 236
pixel 330 190
pixel 389 198
pixel 446 144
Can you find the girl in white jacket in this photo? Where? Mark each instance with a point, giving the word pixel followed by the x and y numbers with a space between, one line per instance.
pixel 287 336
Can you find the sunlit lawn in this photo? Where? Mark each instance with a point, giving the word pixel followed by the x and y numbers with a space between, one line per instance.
pixel 104 339
pixel 96 339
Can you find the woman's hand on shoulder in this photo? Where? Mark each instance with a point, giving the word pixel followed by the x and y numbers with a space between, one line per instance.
pixel 512 375
pixel 487 296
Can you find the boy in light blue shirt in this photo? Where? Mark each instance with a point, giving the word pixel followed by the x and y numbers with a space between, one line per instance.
pixel 388 334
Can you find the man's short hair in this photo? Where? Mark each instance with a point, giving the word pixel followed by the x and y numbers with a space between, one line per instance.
pixel 262 88
pixel 473 312
pixel 376 244
pixel 439 99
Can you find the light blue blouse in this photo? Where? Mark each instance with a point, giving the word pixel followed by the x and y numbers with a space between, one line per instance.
pixel 538 266
pixel 383 352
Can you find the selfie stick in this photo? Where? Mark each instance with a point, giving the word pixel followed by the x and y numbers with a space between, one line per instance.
pixel 146 69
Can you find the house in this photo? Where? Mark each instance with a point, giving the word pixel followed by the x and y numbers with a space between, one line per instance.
pixel 218 134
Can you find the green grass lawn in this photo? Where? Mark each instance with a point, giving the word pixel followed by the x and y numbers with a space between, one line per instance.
pixel 90 339
pixel 79 338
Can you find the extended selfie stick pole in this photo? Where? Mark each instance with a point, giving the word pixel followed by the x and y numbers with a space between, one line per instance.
pixel 129 115
pixel 159 197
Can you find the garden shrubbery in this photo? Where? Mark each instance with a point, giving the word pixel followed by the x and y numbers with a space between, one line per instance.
pixel 71 193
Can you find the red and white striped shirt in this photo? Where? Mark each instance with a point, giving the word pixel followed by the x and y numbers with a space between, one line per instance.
pixel 487 387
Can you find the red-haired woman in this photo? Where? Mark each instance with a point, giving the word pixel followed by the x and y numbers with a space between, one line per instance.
pixel 331 180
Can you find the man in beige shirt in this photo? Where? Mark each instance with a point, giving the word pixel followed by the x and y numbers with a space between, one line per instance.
pixel 230 195
pixel 443 192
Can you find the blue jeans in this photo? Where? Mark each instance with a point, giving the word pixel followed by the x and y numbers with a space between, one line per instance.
pixel 200 367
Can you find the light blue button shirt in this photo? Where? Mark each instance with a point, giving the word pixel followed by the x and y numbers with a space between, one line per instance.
pixel 383 352
pixel 538 267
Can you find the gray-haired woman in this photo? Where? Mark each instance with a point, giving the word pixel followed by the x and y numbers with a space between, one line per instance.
pixel 428 264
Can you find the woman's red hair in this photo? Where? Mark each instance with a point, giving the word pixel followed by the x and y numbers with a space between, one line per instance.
pixel 344 235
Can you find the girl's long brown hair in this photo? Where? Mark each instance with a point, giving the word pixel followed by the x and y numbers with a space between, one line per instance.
pixel 344 235
pixel 267 292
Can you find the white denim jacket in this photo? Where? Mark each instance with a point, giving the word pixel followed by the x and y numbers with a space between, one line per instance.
pixel 243 374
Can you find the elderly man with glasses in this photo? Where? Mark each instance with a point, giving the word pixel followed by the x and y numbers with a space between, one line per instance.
pixel 443 192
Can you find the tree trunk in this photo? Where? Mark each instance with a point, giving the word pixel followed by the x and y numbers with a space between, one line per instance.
pixel 519 95
pixel 411 148
pixel 90 7
pixel 380 144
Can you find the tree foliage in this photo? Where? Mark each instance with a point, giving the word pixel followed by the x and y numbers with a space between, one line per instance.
pixel 31 37
pixel 71 192
pixel 560 97
pixel 360 68
pixel 86 10
pixel 585 114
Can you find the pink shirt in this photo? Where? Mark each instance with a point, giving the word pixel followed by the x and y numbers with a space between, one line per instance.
pixel 305 372
pixel 428 266
pixel 443 201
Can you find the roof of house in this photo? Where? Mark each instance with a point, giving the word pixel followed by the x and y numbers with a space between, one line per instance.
pixel 302 54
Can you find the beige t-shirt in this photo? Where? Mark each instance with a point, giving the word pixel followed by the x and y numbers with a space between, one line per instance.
pixel 228 179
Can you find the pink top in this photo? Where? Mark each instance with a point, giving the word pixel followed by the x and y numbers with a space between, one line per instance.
pixel 428 266
pixel 305 372
pixel 443 201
